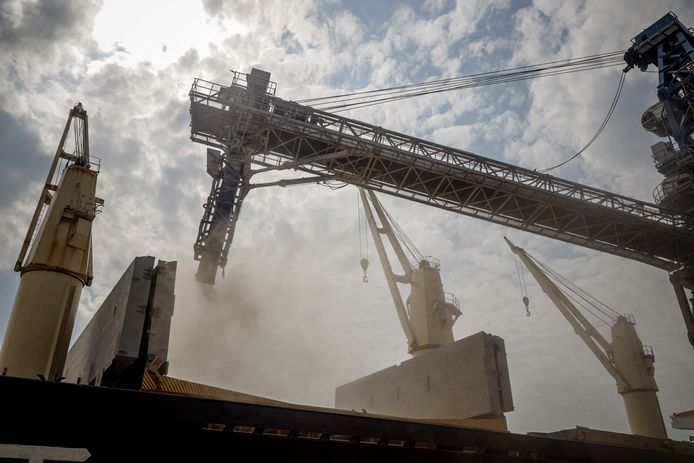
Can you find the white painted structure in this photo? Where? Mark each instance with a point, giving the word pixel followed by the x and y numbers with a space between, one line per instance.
pixel 464 379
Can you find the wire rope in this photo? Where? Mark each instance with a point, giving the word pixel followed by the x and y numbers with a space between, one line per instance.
pixel 361 247
pixel 466 85
pixel 407 243
pixel 366 98
pixel 578 294
pixel 575 64
pixel 594 301
pixel 600 129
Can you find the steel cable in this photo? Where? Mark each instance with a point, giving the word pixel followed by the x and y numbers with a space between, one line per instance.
pixel 600 129
pixel 484 78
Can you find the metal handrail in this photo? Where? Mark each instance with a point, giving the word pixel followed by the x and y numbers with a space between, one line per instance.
pixel 372 147
pixel 449 298
pixel 433 262
pixel 671 186
pixel 464 159
pixel 647 351
pixel 658 193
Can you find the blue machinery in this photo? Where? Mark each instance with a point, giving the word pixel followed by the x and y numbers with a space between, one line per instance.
pixel 669 46
pixel 226 167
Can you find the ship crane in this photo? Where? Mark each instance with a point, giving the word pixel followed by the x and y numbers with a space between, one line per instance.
pixel 249 126
pixel 626 359
pixel 55 261
pixel 428 315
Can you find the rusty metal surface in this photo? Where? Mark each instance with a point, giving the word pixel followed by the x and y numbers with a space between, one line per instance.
pixel 154 382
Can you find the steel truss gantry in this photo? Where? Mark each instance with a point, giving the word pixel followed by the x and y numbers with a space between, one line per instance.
pixel 281 134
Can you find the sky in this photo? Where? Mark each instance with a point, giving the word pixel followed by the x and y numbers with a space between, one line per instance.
pixel 292 319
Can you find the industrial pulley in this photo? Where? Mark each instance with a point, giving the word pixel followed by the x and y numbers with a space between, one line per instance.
pixel 364 262
pixel 526 301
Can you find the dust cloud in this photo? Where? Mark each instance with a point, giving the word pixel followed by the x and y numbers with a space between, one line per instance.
pixel 262 335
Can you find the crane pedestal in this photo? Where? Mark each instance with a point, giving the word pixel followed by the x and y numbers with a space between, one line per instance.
pixel 644 414
pixel 634 361
pixel 39 329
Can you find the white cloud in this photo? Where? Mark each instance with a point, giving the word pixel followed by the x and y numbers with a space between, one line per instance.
pixel 154 31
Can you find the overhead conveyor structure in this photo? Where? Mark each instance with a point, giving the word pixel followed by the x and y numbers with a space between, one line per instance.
pixel 333 147
pixel 250 126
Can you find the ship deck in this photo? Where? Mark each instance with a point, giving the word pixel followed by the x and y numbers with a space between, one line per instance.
pixel 125 425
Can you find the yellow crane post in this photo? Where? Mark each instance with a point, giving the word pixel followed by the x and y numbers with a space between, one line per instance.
pixel 55 262
pixel 626 359
pixel 428 314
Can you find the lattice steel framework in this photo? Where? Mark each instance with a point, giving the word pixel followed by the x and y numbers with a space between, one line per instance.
pixel 283 134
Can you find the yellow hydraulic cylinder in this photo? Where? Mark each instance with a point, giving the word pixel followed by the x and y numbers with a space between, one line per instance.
pixel 58 267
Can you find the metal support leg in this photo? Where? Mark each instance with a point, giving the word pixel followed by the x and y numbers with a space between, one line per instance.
pixel 685 307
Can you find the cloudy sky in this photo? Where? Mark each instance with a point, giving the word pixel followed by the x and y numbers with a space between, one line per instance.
pixel 292 319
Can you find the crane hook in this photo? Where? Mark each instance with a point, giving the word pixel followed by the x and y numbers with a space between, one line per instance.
pixel 526 301
pixel 364 262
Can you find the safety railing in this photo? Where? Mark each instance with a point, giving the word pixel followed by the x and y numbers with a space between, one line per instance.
pixel 449 298
pixel 647 351
pixel 350 128
pixel 428 261
pixel 672 186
